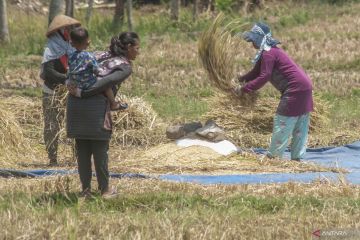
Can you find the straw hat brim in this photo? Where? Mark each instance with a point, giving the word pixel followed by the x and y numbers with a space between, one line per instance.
pixel 61 21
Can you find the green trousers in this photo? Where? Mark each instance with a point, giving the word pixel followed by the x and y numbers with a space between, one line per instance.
pixel 285 128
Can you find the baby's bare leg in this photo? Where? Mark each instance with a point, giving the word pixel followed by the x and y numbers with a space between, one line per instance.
pixel 114 105
pixel 110 95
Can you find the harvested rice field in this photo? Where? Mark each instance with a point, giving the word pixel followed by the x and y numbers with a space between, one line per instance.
pixel 167 189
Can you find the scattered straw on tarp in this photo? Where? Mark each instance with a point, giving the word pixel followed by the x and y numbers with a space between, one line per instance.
pixel 170 158
pixel 218 47
pixel 251 126
pixel 139 125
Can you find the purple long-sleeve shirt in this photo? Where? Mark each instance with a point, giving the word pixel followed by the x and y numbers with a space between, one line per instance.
pixel 287 77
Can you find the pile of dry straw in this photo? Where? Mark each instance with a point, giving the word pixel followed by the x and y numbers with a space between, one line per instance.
pixel 170 158
pixel 139 125
pixel 13 144
pixel 21 128
pixel 251 125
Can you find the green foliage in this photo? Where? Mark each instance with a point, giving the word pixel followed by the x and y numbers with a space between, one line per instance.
pixel 26 39
pixel 180 202
pixel 344 107
pixel 224 5
pixel 349 65
pixel 297 18
pixel 355 92
pixel 56 199
pixel 172 107
pixel 160 24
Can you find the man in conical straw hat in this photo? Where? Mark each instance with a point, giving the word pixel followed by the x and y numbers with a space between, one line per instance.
pixel 53 72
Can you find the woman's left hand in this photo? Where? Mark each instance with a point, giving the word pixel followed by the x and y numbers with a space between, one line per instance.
pixel 73 90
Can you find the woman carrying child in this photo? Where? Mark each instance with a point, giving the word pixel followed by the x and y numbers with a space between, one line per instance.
pixel 83 66
pixel 88 118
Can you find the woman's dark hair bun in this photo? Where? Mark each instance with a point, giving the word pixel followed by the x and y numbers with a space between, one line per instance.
pixel 118 44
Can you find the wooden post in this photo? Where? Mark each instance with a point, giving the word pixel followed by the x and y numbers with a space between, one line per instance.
pixel 4 29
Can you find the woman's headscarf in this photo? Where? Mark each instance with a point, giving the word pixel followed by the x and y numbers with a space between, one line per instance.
pixel 56 47
pixel 260 35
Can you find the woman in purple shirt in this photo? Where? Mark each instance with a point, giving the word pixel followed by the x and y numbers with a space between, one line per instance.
pixel 292 115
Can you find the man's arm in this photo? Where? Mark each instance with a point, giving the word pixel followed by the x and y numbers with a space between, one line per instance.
pixel 51 74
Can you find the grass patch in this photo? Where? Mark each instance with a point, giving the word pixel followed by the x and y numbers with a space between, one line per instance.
pixel 344 107
pixel 300 17
pixel 178 202
pixel 28 92
pixel 161 210
pixel 175 107
pixel 58 200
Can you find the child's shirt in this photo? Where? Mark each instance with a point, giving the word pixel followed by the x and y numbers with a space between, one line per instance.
pixel 82 69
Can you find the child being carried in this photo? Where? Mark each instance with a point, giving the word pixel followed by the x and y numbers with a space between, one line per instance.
pixel 84 69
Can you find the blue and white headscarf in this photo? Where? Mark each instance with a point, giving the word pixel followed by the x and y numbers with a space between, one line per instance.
pixel 260 35
pixel 56 47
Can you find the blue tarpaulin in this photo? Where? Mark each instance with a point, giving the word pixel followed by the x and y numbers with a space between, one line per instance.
pixel 347 157
pixel 306 177
pixel 44 173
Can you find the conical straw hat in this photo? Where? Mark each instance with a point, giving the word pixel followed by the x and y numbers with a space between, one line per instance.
pixel 60 21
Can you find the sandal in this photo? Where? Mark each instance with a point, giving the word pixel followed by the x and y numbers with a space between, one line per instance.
pixel 109 194
pixel 121 107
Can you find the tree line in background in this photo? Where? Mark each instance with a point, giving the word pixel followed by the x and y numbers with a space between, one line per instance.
pixel 123 8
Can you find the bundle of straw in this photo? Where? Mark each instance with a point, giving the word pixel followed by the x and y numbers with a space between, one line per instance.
pixel 218 48
pixel 139 125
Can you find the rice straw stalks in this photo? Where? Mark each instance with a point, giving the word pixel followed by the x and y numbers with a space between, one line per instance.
pixel 250 126
pixel 319 118
pixel 138 125
pixel 27 113
pixel 218 48
pixel 13 144
pixel 58 101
